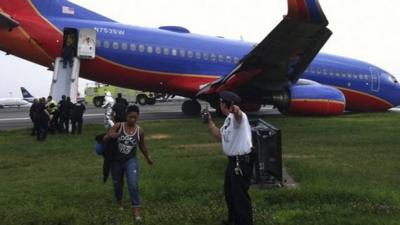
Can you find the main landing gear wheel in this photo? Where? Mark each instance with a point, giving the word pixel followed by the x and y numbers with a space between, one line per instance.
pixel 98 101
pixel 142 99
pixel 191 108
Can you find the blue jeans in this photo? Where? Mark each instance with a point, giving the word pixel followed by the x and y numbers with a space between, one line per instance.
pixel 131 169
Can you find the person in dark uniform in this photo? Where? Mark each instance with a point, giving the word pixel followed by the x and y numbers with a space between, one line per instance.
pixel 119 109
pixel 124 160
pixel 121 99
pixel 235 136
pixel 62 108
pixel 32 115
pixel 77 116
pixel 65 112
pixel 43 117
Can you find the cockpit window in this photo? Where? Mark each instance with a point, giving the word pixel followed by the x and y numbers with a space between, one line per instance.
pixel 393 78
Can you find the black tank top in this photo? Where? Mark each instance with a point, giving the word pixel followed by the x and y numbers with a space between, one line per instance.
pixel 127 144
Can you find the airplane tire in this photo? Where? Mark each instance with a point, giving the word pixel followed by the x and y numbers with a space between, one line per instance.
pixel 142 99
pixel 151 101
pixel 1 107
pixel 98 101
pixel 191 108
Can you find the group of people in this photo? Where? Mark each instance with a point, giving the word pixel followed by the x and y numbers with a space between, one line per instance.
pixel 124 135
pixel 49 116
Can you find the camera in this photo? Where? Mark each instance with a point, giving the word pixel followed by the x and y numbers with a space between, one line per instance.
pixel 204 115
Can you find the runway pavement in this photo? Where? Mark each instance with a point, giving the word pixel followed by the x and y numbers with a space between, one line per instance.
pixel 14 118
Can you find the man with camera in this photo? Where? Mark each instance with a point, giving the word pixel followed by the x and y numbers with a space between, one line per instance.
pixel 235 136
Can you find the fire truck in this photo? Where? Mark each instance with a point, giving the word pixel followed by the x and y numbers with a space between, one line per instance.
pixel 95 94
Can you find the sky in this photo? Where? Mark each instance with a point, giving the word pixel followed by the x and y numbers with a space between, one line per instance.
pixel 367 30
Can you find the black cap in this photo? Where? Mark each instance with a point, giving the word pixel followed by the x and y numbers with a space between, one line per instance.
pixel 229 96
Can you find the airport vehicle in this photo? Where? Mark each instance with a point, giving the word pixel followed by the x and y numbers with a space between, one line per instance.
pixel 284 69
pixel 26 95
pixel 95 95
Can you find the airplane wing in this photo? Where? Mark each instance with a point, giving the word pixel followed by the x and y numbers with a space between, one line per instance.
pixel 281 57
pixel 7 22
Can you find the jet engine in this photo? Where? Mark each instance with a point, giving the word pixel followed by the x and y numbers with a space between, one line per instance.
pixel 310 99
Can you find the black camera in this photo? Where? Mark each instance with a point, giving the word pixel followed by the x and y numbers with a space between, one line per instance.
pixel 204 115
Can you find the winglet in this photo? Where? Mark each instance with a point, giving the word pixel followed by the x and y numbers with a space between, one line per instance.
pixel 307 11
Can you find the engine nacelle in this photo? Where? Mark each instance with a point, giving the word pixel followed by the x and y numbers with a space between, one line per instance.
pixel 316 100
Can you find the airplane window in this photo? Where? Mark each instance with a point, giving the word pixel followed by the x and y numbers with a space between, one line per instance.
pixel 338 74
pixel 115 45
pixel 366 77
pixel 360 77
pixel 174 52
pixel 236 60
pixel 319 71
pixel 190 54
pixel 355 76
pixel 312 70
pixel 213 57
pixel 106 44
pixel 182 53
pixel 205 56
pixel 158 50
pixel 198 55
pixel 98 43
pixel 149 49
pixel 331 73
pixel 124 46
pixel 393 79
pixel 325 72
pixel 141 48
pixel 133 47
pixel 166 51
pixel 228 59
pixel 220 58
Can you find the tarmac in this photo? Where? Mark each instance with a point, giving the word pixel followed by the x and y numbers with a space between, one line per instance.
pixel 18 118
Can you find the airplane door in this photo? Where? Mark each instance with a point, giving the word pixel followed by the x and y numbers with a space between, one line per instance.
pixel 87 44
pixel 375 79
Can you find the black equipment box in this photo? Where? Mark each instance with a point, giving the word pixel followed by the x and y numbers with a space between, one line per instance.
pixel 267 153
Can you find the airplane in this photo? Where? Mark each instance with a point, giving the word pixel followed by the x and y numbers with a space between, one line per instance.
pixel 13 102
pixel 26 95
pixel 285 69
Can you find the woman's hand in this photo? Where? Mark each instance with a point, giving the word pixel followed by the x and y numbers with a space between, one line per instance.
pixel 112 134
pixel 150 161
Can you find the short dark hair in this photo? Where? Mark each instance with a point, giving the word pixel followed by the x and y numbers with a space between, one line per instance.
pixel 227 103
pixel 132 108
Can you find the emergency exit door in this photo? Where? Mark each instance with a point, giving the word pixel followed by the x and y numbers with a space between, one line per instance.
pixel 87 44
pixel 375 79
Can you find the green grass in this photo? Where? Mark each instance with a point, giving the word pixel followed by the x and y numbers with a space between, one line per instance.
pixel 348 169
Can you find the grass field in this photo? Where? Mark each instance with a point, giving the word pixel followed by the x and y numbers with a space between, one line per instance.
pixel 348 169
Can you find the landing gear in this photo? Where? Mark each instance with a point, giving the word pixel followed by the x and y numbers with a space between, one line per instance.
pixel 98 101
pixel 142 99
pixel 191 107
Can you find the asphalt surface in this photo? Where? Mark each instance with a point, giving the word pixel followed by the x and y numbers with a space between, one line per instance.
pixel 14 118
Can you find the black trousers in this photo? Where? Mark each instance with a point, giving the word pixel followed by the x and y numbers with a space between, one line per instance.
pixel 236 189
pixel 76 122
pixel 64 123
